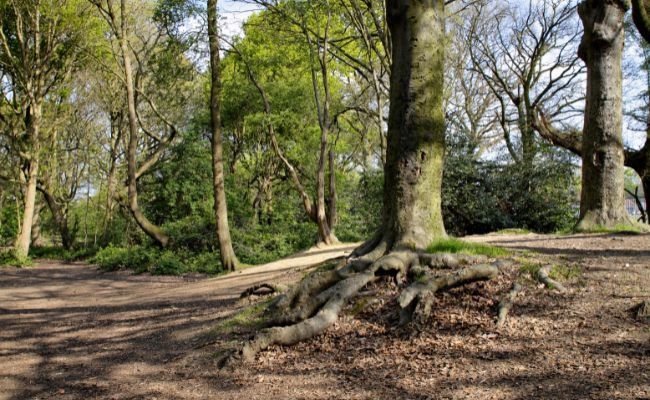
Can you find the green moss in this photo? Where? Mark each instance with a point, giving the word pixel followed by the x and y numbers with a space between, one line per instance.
pixel 249 318
pixel 619 228
pixel 453 245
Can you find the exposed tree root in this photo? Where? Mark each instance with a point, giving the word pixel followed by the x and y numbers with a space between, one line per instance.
pixel 417 299
pixel 315 303
pixel 263 289
pixel 543 276
pixel 641 311
pixel 324 318
pixel 506 303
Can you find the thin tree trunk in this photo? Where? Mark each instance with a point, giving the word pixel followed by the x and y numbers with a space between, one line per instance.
pixel 332 211
pixel 602 197
pixel 227 254
pixel 60 219
pixel 325 233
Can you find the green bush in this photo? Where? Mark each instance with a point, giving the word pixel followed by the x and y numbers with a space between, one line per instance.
pixel 206 263
pixel 136 258
pixel 168 264
pixel 488 196
pixel 8 259
pixel 194 233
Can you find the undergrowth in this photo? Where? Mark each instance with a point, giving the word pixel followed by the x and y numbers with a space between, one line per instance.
pixel 143 259
pixel 9 259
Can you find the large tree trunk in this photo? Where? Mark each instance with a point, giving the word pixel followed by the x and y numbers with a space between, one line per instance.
pixel 602 197
pixel 32 126
pixel 227 254
pixel 60 216
pixel 416 125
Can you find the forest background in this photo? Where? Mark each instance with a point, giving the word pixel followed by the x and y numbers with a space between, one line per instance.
pixel 304 96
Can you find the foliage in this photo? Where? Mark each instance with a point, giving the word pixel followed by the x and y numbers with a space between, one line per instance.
pixel 59 253
pixel 8 223
pixel 9 259
pixel 144 259
pixel 453 245
pixel 487 196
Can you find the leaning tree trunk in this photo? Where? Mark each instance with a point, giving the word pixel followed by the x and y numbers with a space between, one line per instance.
pixel 602 197
pixel 641 17
pixel 152 230
pixel 227 254
pixel 60 217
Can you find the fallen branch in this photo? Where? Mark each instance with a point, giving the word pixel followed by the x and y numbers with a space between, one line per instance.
pixel 506 303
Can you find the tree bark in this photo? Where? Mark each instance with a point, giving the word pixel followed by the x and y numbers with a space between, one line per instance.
pixel 602 197
pixel 33 119
pixel 641 17
pixel 416 125
pixel 60 215
pixel 227 254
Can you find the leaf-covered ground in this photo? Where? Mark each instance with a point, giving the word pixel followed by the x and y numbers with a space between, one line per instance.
pixel 71 332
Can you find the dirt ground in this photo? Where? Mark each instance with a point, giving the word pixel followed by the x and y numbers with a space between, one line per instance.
pixel 73 332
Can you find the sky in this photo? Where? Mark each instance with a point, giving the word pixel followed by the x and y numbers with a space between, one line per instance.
pixel 233 14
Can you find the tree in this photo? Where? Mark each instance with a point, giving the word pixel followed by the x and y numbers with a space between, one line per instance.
pixel 602 196
pixel 637 159
pixel 526 54
pixel 152 67
pixel 412 216
pixel 227 254
pixel 41 43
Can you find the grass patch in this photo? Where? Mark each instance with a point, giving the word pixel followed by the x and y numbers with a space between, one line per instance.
pixel 564 272
pixel 453 245
pixel 559 272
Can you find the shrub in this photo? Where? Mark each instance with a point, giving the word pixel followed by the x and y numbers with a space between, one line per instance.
pixel 137 258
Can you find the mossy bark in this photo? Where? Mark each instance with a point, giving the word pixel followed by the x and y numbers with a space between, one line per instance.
pixel 602 196
pixel 416 137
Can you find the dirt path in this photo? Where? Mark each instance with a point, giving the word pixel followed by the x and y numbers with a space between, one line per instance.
pixel 71 332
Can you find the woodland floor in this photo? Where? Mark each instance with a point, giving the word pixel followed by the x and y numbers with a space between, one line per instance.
pixel 73 332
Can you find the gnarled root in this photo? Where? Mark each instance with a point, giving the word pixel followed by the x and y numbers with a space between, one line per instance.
pixel 420 294
pixel 324 318
pixel 316 302
pixel 506 303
